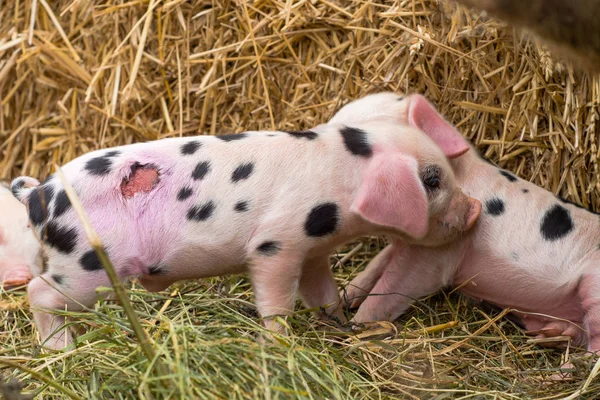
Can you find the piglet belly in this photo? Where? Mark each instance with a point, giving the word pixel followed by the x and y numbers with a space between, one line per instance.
pixel 204 262
pixel 509 287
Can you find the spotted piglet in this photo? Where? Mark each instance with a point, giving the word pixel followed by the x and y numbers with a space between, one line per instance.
pixel 274 204
pixel 529 251
pixel 19 250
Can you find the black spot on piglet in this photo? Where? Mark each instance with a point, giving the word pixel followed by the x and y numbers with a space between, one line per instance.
pixel 38 204
pixel 556 223
pixel 18 185
pixel 241 206
pixel 229 138
pixel 190 147
pixel 62 239
pixel 61 204
pixel 310 135
pixel 48 193
pixel 494 206
pixel 243 171
pixel 98 166
pixel 37 211
pixel 356 141
pixel 508 175
pixel 322 220
pixel 112 153
pixel 184 193
pixel 90 261
pixel 201 170
pixel 201 213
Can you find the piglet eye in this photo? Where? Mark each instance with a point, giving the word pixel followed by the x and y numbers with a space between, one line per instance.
pixel 431 178
pixel 432 183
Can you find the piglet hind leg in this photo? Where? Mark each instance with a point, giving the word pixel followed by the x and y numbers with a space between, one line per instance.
pixel 589 293
pixel 275 275
pixel 549 329
pixel 318 289
pixel 52 292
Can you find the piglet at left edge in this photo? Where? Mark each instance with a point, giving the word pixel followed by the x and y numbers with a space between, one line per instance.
pixel 20 258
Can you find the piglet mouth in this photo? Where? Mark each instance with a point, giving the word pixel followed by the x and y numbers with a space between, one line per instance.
pixel 448 231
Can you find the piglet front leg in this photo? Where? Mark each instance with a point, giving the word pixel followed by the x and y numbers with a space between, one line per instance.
pixel 360 287
pixel 275 274
pixel 410 273
pixel 318 288
pixel 589 293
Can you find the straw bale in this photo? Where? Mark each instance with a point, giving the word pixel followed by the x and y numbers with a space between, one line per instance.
pixel 76 76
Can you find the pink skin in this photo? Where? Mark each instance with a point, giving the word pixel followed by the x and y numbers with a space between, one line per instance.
pixel 19 249
pixel 136 210
pixel 553 284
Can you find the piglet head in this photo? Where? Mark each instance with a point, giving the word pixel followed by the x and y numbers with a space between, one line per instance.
pixel 413 110
pixel 392 195
pixel 451 212
pixel 410 191
pixel 378 107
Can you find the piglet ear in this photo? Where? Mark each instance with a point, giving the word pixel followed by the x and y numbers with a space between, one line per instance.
pixel 391 195
pixel 424 116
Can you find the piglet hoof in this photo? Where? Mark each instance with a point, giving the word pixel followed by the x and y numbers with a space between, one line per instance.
pixel 576 367
pixel 268 338
pixel 334 323
pixel 551 341
pixel 273 332
pixel 355 302
pixel 353 297
pixel 332 315
pixel 58 341
pixel 566 373
pixel 376 330
pixel 18 276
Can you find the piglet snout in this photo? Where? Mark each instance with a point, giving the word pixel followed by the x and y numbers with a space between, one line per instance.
pixel 472 213
pixel 463 213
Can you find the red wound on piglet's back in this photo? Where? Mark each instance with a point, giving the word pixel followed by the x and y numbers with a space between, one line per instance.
pixel 142 179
